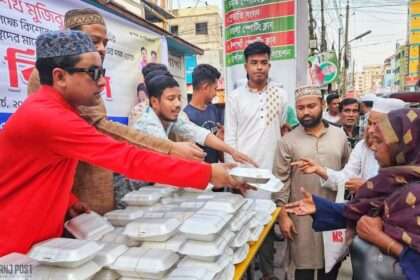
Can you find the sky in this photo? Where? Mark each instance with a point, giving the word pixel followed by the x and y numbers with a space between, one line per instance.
pixel 387 19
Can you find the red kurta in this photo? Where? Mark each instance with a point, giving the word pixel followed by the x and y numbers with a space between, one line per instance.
pixel 40 146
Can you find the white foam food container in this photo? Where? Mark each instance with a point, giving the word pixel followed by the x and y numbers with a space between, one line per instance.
pixel 142 197
pixel 205 225
pixel 260 219
pixel 65 252
pixel 152 229
pixel 273 185
pixel 227 274
pixel 205 250
pixel 241 237
pixel 83 272
pixel 264 205
pixel 164 190
pixel 240 254
pixel 109 253
pixel 121 217
pixel 229 204
pixel 251 175
pixel 172 244
pixel 190 273
pixel 193 204
pixel 106 274
pixel 255 233
pixel 241 218
pixel 117 236
pixel 221 263
pixel 145 262
pixel 89 226
pixel 17 258
pixel 181 215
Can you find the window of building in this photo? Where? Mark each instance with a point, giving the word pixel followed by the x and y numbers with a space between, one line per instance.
pixel 201 28
pixel 174 29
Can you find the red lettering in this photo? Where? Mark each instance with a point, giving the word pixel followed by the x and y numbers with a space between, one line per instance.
pixel 108 92
pixel 337 236
pixel 17 59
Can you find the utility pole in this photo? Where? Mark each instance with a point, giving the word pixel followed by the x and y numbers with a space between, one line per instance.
pixel 346 46
pixel 340 31
pixel 312 36
pixel 323 47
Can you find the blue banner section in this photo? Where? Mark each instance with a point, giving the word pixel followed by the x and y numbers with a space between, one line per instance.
pixel 3 118
pixel 190 64
pixel 123 120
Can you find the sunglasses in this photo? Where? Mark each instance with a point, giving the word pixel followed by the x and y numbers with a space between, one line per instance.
pixel 94 72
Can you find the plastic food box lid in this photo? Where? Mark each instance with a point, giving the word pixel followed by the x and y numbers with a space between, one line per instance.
pixel 264 205
pixel 241 219
pixel 240 254
pixel 204 225
pixel 251 175
pixel 181 215
pixel 89 226
pixel 229 204
pixel 17 258
pixel 190 273
pixel 142 197
pixel 193 204
pixel 164 190
pixel 255 233
pixel 273 185
pixel 106 274
pixel 241 237
pixel 152 229
pixel 208 251
pixel 122 217
pixel 109 253
pixel 83 272
pixel 65 252
pixel 227 274
pixel 145 262
pixel 221 263
pixel 117 236
pixel 172 244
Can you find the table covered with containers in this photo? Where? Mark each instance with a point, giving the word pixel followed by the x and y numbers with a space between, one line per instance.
pixel 163 233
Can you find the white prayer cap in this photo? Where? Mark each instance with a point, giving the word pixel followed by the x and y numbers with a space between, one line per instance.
pixel 386 105
pixel 368 97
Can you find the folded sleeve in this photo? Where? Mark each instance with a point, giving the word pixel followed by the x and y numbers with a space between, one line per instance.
pixel 71 137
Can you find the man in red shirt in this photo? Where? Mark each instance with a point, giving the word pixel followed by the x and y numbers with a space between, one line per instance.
pixel 43 141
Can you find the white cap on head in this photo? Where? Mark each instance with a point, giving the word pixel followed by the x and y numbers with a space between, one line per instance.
pixel 386 105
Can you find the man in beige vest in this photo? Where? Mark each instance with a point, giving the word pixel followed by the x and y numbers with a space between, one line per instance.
pixel 94 185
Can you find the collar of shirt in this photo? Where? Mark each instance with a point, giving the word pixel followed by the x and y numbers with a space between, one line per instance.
pixel 323 132
pixel 166 126
pixel 253 90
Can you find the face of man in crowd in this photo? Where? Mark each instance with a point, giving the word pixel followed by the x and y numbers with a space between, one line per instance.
pixel 333 106
pixel 97 33
pixel 169 105
pixel 79 88
pixel 141 96
pixel 257 67
pixel 309 111
pixel 349 115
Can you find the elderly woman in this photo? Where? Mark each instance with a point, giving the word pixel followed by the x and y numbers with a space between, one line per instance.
pixel 386 209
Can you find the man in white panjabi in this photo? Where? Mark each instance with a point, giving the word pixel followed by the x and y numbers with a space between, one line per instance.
pixel 254 116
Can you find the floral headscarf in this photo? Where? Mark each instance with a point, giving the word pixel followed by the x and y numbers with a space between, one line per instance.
pixel 394 193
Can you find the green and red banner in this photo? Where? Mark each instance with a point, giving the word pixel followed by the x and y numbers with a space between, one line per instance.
pixel 270 21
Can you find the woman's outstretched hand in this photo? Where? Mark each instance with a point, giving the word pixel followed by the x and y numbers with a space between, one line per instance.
pixel 303 207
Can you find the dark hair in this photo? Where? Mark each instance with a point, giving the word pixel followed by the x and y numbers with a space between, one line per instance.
pixel 155 73
pixel 153 67
pixel 331 97
pixel 346 102
pixel 368 103
pixel 204 73
pixel 256 48
pixel 158 84
pixel 143 49
pixel 153 52
pixel 45 66
pixel 141 87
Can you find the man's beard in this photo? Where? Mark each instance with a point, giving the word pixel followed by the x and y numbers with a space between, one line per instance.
pixel 311 122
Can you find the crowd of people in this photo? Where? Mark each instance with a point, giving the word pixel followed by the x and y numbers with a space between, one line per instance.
pixel 61 157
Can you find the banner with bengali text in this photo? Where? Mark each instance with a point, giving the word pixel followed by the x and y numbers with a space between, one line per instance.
pixel 130 47
pixel 269 21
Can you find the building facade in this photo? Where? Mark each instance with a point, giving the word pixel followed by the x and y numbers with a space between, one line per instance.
pixel 413 59
pixel 369 80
